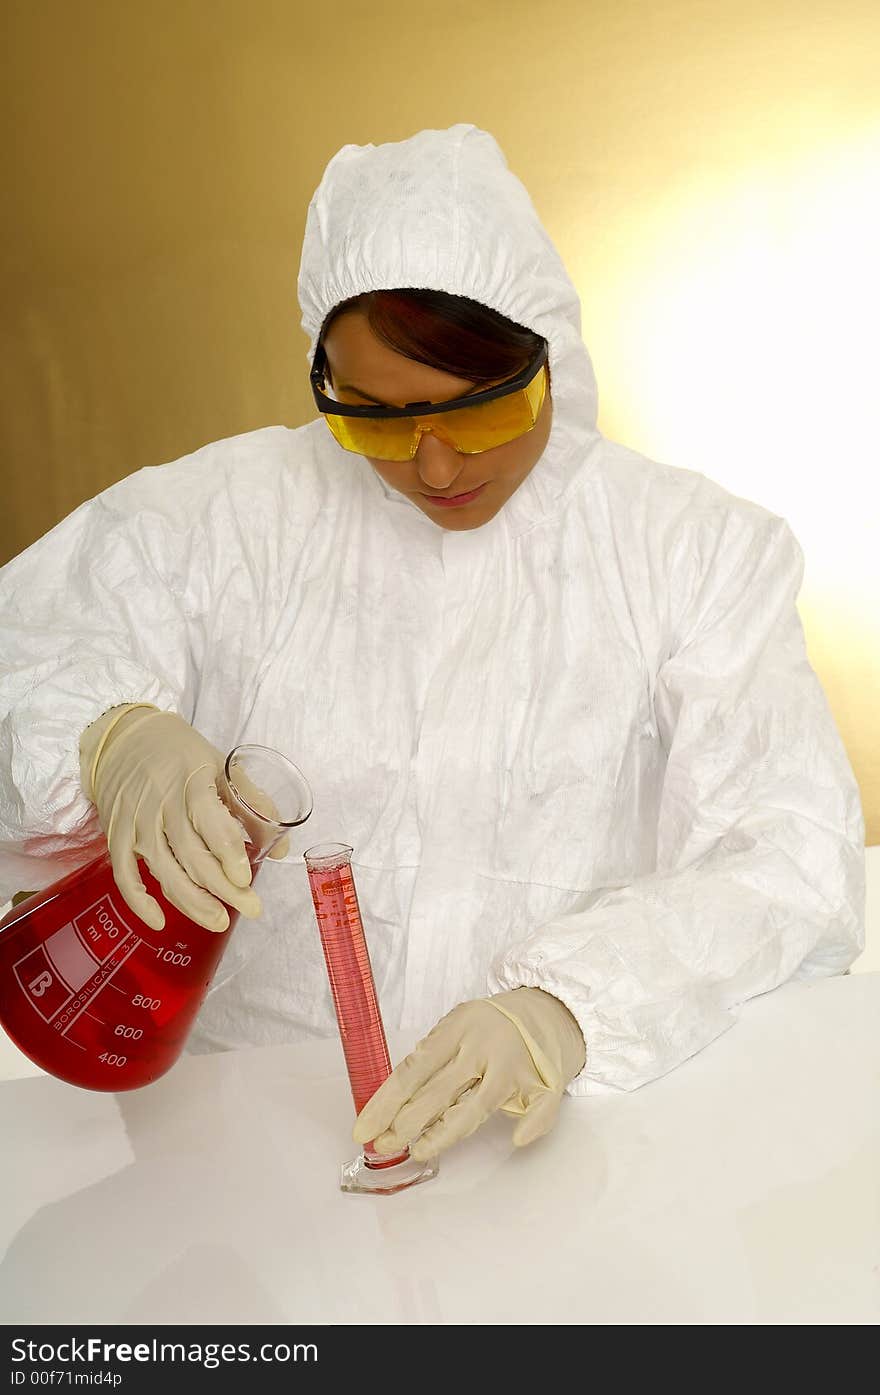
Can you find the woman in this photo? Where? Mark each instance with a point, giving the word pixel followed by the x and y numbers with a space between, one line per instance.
pixel 566 721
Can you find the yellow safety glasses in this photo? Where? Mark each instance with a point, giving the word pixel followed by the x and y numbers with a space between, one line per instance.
pixel 468 424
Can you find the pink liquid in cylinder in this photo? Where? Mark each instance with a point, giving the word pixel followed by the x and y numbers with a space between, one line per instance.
pixel 351 982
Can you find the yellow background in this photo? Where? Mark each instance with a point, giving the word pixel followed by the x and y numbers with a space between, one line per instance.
pixel 708 170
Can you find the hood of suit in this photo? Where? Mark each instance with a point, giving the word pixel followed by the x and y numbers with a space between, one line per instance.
pixel 442 211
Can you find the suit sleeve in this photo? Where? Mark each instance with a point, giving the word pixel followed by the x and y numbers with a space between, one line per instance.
pixel 760 842
pixel 100 611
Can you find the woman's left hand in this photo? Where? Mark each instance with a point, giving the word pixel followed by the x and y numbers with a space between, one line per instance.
pixel 513 1051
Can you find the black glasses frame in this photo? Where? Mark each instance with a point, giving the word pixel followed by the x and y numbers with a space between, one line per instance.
pixel 330 407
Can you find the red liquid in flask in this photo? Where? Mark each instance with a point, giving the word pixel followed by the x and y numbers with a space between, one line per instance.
pixel 91 993
pixel 353 988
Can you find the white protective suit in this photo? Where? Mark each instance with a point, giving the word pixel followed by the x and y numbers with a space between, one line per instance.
pixel 580 747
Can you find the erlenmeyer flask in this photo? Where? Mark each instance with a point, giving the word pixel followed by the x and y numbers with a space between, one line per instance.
pixel 91 993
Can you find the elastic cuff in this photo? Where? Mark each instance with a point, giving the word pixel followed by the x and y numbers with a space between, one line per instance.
pixel 87 779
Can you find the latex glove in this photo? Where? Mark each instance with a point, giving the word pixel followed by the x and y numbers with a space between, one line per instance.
pixel 513 1051
pixel 153 778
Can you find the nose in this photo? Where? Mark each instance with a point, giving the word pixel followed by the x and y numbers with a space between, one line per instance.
pixel 437 461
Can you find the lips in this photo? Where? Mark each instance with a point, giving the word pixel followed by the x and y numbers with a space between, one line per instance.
pixel 454 500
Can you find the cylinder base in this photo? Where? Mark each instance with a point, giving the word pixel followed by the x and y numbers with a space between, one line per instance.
pixel 356 1176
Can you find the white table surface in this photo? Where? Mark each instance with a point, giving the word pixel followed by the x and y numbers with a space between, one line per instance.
pixel 744 1187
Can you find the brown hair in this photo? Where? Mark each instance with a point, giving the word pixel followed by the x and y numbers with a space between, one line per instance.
pixel 449 332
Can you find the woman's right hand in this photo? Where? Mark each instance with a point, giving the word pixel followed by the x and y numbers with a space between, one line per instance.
pixel 153 780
